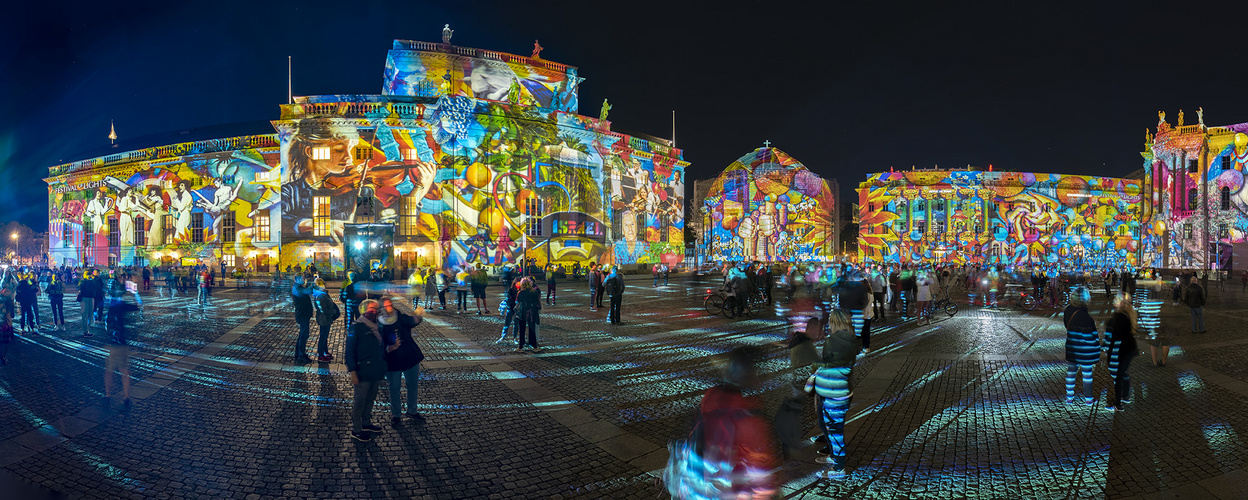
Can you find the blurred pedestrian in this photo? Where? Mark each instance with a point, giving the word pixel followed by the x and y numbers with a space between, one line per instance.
pixel 1082 347
pixel 121 304
pixel 738 441
pixel 350 299
pixel 431 288
pixel 327 313
pixel 1194 296
pixel 366 365
pixel 1121 346
pixel 803 352
pixel 403 356
pixel 415 286
pixel 461 291
pixel 831 382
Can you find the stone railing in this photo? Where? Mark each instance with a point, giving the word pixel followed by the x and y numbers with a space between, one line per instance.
pixel 479 53
pixel 169 151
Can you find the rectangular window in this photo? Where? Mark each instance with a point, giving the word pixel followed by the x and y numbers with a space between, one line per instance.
pixel 533 209
pixel 363 153
pixel 168 229
pixel 363 209
pixel 617 223
pixel 411 154
pixel 262 227
pixel 66 241
pixel 140 231
pixel 197 227
pixel 320 153
pixel 409 215
pixel 1187 231
pixel 1193 166
pixel 320 216
pixel 1226 162
pixel 262 262
pixel 114 232
pixel 228 259
pixel 1223 232
pixel 228 228
pixel 112 259
pixel 262 176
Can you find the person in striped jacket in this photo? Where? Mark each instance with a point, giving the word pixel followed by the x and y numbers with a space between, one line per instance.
pixel 831 383
pixel 1083 349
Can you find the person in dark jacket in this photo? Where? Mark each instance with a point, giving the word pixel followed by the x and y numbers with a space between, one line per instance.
pixel 595 288
pixel 365 358
pixel 86 298
pixel 1194 296
pixel 100 286
pixel 614 285
pixel 28 298
pixel 56 297
pixel 1122 348
pixel 1082 347
pixel 528 314
pixel 351 299
pixel 508 308
pixel 7 308
pixel 550 284
pixel 119 309
pixel 831 383
pixel 301 296
pixel 403 357
pixel 327 313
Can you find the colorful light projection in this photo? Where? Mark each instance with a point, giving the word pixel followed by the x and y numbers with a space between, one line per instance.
pixel 200 204
pixel 1191 168
pixel 767 206
pixel 998 218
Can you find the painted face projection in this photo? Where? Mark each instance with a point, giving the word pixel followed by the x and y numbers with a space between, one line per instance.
pixel 767 206
pixel 999 218
pixel 518 80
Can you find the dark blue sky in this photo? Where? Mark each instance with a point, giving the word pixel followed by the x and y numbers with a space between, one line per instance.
pixel 1031 86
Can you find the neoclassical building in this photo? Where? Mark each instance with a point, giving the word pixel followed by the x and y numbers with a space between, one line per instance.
pixel 1197 211
pixel 767 206
pixel 988 217
pixel 467 156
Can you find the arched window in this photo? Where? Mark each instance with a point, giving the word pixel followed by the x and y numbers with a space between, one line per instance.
pixel 1226 198
pixel 1191 199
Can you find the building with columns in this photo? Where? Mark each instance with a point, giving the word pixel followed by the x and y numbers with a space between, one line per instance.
pixel 467 157
pixel 1196 213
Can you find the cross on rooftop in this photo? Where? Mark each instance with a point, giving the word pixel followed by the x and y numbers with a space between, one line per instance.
pixel 766 144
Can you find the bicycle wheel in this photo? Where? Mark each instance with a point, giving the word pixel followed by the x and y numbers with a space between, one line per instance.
pixel 951 308
pixel 730 307
pixel 714 304
pixel 1027 302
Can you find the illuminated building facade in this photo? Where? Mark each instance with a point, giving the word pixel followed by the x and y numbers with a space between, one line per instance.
pixel 1197 211
pixel 767 206
pixel 467 156
pixel 969 216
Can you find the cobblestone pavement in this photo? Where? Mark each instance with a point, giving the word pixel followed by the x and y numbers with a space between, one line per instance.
pixel 970 406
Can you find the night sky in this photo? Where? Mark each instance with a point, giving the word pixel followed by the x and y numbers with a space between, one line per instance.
pixel 847 90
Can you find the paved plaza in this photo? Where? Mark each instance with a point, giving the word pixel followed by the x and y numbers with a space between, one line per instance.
pixel 970 406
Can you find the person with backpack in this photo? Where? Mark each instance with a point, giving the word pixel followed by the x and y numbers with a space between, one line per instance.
pixel 327 313
pixel 614 286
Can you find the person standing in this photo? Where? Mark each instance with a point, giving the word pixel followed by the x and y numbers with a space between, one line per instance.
pixel 415 286
pixel 1243 280
pixel 1082 346
pixel 403 357
pixel 665 270
pixel 831 382
pixel 444 285
pixel 147 278
pixel 879 289
pixel 461 291
pixel 765 282
pixel 1194 296
pixel 654 270
pixel 615 287
pixel 595 288
pixel 301 296
pixel 327 313
pixel 86 301
pixel 350 299
pixel 1122 348
pixel 509 308
pixel 480 280
pixel 56 297
pixel 28 298
pixel 550 284
pixel 100 287
pixel 431 288
pixel 7 307
pixel 923 296
pixel 528 308
pixel 366 365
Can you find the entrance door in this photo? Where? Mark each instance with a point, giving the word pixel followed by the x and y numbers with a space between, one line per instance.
pixel 368 247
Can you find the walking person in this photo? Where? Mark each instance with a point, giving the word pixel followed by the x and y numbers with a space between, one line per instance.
pixel 1122 348
pixel 56 297
pixel 1194 296
pixel 86 301
pixel 327 313
pixel 301 296
pixel 119 309
pixel 550 284
pixel 366 365
pixel 615 287
pixel 879 290
pixel 831 382
pixel 415 286
pixel 1083 349
pixel 403 357
pixel 147 278
pixel 480 280
pixel 528 315
pixel 737 434
pixel 350 299
pixel 444 285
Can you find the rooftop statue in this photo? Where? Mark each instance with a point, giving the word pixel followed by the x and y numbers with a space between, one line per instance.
pixel 537 50
pixel 602 115
pixel 446 34
pixel 1200 116
pixel 1180 123
pixel 1161 117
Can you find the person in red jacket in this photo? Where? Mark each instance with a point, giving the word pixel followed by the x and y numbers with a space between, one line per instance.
pixel 738 437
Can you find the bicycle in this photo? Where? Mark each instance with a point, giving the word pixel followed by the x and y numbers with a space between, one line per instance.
pixel 1020 298
pixel 945 304
pixel 714 302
